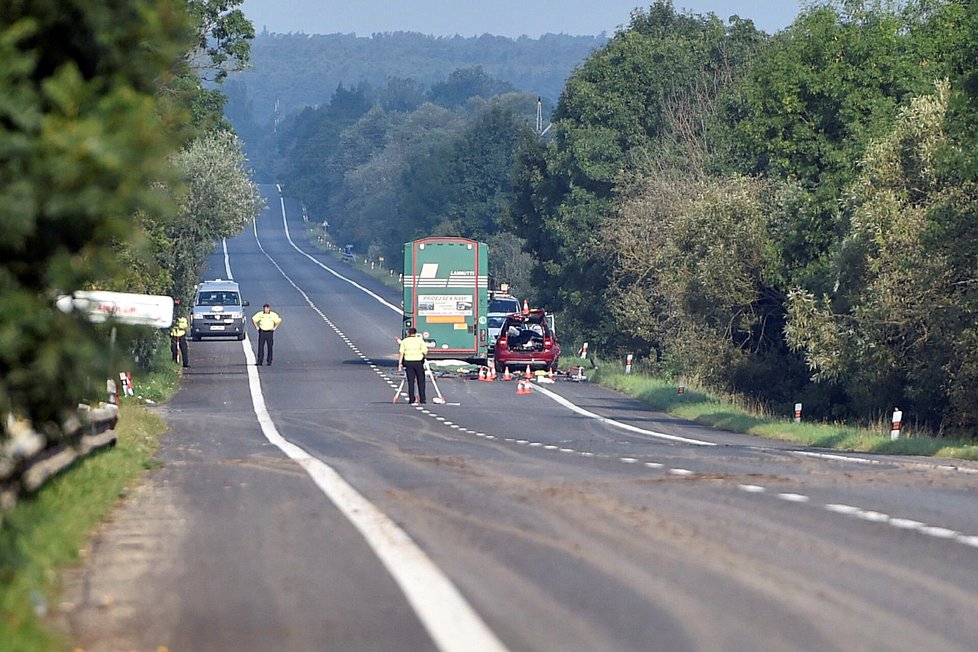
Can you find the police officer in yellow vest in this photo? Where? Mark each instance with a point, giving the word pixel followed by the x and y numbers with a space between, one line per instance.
pixel 178 338
pixel 266 322
pixel 411 356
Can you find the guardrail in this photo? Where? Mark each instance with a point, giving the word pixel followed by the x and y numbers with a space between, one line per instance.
pixel 28 459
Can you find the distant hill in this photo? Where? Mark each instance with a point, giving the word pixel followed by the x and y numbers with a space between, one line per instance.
pixel 290 71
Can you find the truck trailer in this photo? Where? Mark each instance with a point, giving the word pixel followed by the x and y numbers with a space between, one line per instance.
pixel 446 296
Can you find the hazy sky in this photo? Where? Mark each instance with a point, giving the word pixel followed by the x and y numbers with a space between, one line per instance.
pixel 499 17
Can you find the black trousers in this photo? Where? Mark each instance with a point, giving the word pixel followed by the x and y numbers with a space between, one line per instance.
pixel 266 339
pixel 415 375
pixel 180 342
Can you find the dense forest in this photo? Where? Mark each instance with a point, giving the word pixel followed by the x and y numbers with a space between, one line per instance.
pixel 792 217
pixel 293 71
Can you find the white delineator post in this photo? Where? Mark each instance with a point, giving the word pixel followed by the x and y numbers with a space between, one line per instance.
pixel 628 363
pixel 897 422
pixel 797 412
pixel 583 352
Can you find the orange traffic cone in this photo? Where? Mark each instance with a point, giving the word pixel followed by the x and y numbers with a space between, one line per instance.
pixel 482 374
pixel 522 387
pixel 528 374
pixel 506 374
pixel 526 307
pixel 492 373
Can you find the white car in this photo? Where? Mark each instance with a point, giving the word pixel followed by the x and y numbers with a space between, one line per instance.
pixel 500 307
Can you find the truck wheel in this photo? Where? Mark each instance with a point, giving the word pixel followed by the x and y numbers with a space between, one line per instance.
pixel 241 337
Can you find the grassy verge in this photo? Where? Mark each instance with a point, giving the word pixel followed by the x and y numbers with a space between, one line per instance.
pixel 43 534
pixel 726 414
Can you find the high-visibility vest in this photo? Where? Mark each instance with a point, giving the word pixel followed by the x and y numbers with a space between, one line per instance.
pixel 414 348
pixel 267 321
pixel 179 328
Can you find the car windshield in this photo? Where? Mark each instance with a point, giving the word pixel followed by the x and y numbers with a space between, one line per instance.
pixel 495 322
pixel 218 299
pixel 504 305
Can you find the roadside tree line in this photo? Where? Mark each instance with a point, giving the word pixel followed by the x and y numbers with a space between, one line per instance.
pixel 791 217
pixel 118 171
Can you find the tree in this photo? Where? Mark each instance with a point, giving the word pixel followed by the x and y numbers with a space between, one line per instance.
pixel 811 102
pixel 608 119
pixel 900 328
pixel 221 39
pixel 466 83
pixel 83 148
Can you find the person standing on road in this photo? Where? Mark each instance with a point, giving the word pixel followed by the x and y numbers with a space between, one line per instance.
pixel 266 322
pixel 178 338
pixel 412 352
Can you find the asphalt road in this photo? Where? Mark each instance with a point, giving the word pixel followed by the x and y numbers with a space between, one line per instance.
pixel 298 509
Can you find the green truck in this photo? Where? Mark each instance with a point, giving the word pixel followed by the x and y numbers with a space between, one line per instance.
pixel 446 296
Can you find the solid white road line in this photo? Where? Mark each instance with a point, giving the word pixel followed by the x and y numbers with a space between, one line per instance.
pixel 288 235
pixel 451 622
pixel 617 424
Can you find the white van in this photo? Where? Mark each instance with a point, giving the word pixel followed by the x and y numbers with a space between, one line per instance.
pixel 218 311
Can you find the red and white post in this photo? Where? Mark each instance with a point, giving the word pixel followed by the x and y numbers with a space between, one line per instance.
pixel 628 363
pixel 797 412
pixel 896 424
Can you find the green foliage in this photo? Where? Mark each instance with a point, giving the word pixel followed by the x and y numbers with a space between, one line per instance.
pixel 732 413
pixel 292 71
pixel 82 149
pixel 610 117
pixel 899 330
pixel 811 102
pixel 382 178
pixel 220 200
pixel 221 38
pixel 464 84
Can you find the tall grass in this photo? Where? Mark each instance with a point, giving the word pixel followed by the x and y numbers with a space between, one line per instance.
pixel 736 415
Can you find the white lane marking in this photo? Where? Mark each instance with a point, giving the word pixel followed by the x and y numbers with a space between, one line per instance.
pixel 794 498
pixel 288 236
pixel 906 524
pixel 551 395
pixel 842 509
pixel 836 457
pixel 617 424
pixel 752 488
pixel 448 618
pixel 227 259
pixel 445 614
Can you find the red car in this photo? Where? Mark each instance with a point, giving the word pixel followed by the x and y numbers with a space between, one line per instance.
pixel 527 339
